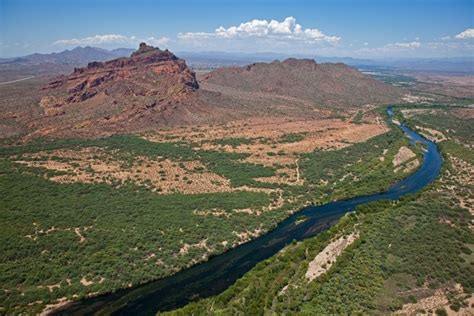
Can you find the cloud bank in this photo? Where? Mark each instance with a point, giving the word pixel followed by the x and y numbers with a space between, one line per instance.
pixel 468 33
pixel 286 36
pixel 410 45
pixel 389 49
pixel 286 31
pixel 111 39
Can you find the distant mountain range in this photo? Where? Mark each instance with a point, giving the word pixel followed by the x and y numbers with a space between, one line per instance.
pixel 454 64
pixel 248 58
pixel 80 56
pixel 77 56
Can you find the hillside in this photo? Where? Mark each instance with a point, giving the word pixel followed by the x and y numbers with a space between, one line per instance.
pixel 409 257
pixel 154 89
pixel 325 84
pixel 128 209
pixel 150 88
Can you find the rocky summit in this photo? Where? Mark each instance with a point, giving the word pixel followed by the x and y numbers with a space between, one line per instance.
pixel 151 71
pixel 121 93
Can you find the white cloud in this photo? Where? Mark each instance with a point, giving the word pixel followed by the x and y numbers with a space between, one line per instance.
pixel 162 41
pixel 95 40
pixel 286 30
pixel 111 39
pixel 468 33
pixel 410 45
pixel 439 48
pixel 390 49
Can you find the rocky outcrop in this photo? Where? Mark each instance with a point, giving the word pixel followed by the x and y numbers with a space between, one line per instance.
pixel 151 88
pixel 147 63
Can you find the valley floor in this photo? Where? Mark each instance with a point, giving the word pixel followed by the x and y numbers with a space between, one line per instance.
pixel 413 256
pixel 80 217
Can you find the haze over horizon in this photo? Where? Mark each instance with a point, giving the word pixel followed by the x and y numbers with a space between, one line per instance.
pixel 366 29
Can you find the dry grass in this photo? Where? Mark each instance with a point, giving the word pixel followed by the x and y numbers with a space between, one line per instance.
pixel 404 154
pixel 438 300
pixel 409 166
pixel 201 245
pixel 246 236
pixel 265 134
pixel 51 307
pixel 403 160
pixel 39 232
pixel 86 282
pixel 163 175
pixel 447 84
pixel 464 178
pixel 278 202
pixel 463 113
pixel 326 130
pixel 432 134
pixel 326 258
pixel 409 113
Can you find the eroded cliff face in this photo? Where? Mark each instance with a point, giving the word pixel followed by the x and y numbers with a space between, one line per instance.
pixel 160 72
pixel 121 95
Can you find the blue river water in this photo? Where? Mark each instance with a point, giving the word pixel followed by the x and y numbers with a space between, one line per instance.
pixel 220 272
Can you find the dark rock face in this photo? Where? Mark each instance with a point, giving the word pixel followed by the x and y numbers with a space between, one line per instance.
pixel 147 61
pixel 150 88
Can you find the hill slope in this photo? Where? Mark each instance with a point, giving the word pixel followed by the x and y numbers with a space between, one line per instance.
pixel 325 84
pixel 153 88
pixel 122 95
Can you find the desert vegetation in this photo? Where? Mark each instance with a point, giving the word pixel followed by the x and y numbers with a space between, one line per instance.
pixel 90 216
pixel 238 174
pixel 414 255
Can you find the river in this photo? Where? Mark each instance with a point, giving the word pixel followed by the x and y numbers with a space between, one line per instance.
pixel 219 272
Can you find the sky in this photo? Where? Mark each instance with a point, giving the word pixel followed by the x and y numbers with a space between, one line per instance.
pixel 357 28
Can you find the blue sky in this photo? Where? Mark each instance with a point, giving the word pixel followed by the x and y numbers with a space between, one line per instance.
pixel 358 28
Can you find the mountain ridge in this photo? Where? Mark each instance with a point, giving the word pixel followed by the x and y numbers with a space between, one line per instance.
pixel 326 84
pixel 154 88
pixel 92 53
pixel 76 56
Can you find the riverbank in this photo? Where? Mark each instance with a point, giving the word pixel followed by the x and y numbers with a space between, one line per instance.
pixel 99 204
pixel 221 271
pixel 414 254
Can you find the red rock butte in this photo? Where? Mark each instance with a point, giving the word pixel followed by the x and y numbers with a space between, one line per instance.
pixel 87 82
